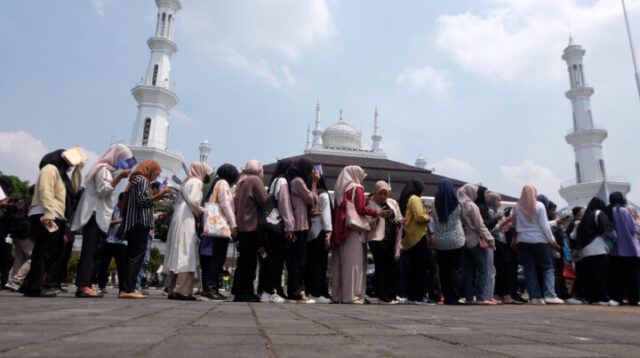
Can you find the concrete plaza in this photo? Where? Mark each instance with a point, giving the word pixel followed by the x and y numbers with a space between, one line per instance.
pixel 156 327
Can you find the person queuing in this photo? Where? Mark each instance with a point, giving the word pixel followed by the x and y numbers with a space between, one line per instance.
pixel 114 247
pixel 16 223
pixel 534 242
pixel 624 260
pixel 138 221
pixel 478 239
pixel 51 207
pixel 316 285
pixel 348 260
pixel 414 241
pixel 6 206
pixel 449 240
pixel 382 243
pixel 250 194
pixel 213 250
pixel 504 258
pixel 94 212
pixel 490 219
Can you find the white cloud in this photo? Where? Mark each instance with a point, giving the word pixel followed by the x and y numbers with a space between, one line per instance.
pixel 454 168
pixel 539 176
pixel 512 39
pixel 259 37
pixel 181 116
pixel 99 5
pixel 424 79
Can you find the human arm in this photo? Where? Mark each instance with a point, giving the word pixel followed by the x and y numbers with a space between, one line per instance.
pixel 284 205
pixel 47 180
pixel 142 192
pixel 123 174
pixel 225 199
pixel 324 206
pixel 299 189
pixel 104 183
pixel 192 195
pixel 416 207
pixel 360 203
pixel 477 222
pixel 543 223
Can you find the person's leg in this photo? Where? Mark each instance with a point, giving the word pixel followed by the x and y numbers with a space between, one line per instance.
pixel 275 265
pixel 218 257
pixel 391 268
pixel 33 281
pixel 136 248
pixel 480 261
pixel 432 278
pixel 379 276
pixel 246 267
pixel 6 261
pixel 467 275
pixel 24 247
pixel 105 261
pixel 588 272
pixel 336 277
pixel 171 283
pixel 499 261
pixel 530 274
pixel 444 269
pixel 263 269
pixel 145 261
pixel 351 267
pixel 92 242
pixel 545 263
pixel 600 278
pixel 184 283
pixel 119 252
pixel 57 272
pixel 312 276
pixel 633 284
pixel 560 284
pixel 417 285
pixel 207 276
pixel 491 275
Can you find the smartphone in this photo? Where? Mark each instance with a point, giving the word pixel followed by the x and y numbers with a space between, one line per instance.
pixel 318 168
pixel 164 184
pixel 128 163
pixel 52 228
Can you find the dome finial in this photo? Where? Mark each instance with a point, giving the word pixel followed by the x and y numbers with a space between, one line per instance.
pixel 340 114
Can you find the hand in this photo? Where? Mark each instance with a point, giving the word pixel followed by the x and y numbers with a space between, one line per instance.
pixel 500 215
pixel 577 223
pixel 47 222
pixel 161 194
pixel 315 212
pixel 560 220
pixel 288 235
pixel 262 251
pixel 123 174
pixel 66 239
pixel 234 232
pixel 160 214
pixel 327 240
pixel 315 176
pixel 555 246
pixel 385 213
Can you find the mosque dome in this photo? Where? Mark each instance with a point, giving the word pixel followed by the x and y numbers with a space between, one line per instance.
pixel 342 136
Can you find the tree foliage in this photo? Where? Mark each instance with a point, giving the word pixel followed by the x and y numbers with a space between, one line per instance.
pixel 165 206
pixel 20 187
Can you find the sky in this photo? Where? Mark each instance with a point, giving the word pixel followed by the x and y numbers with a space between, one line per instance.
pixel 475 86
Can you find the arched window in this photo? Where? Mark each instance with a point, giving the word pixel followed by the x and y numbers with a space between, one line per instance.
pixel 155 75
pixel 576 75
pixel 590 119
pixel 578 174
pixel 145 133
pixel 158 25
pixel 582 80
pixel 164 17
pixel 602 170
pixel 575 122
pixel 169 25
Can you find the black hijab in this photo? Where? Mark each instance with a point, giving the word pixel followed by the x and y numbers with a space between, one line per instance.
pixel 55 158
pixel 280 169
pixel 589 228
pixel 446 200
pixel 481 200
pixel 227 172
pixel 413 187
pixel 300 168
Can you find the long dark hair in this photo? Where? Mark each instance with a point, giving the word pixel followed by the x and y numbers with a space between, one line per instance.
pixel 300 168
pixel 281 168
pixel 413 187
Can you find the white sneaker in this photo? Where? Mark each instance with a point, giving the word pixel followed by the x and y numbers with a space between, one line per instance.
pixel 12 286
pixel 275 298
pixel 553 301
pixel 607 303
pixel 320 299
pixel 536 301
pixel 266 298
pixel 401 299
pixel 573 301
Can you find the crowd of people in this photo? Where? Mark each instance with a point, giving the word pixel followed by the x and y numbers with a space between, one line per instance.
pixel 463 249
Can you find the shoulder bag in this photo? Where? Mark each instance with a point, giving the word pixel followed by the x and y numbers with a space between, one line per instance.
pixel 214 223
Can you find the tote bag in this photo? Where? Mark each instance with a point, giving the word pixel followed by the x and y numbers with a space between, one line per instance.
pixel 270 219
pixel 214 223
pixel 355 221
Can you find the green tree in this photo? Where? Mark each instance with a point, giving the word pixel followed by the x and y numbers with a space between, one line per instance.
pixel 155 260
pixel 20 187
pixel 165 206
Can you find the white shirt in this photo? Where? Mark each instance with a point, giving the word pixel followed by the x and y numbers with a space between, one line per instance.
pixel 97 197
pixel 536 232
pixel 322 221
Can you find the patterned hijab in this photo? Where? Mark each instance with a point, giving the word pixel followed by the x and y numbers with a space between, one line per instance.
pixel 349 177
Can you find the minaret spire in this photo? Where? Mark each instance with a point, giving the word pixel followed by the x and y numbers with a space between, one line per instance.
pixel 376 137
pixel 317 130
pixel 308 138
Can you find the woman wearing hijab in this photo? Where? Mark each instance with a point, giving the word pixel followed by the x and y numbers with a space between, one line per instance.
pixel 382 243
pixel 490 222
pixel 347 259
pixel 303 181
pixel 138 221
pixel 624 260
pixel 213 250
pixel 534 240
pixel 250 194
pixel 589 235
pixel 449 240
pixel 181 258
pixel 318 246
pixel 414 241
pixel 274 262
pixel 504 262
pixel 477 240
pixel 93 215
pixel 52 205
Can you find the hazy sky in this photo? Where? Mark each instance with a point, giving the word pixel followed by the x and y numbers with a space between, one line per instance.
pixel 477 87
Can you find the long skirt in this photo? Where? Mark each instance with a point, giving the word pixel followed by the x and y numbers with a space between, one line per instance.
pixel 347 266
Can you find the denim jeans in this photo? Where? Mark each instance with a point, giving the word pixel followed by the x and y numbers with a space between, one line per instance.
pixel 143 269
pixel 475 262
pixel 537 258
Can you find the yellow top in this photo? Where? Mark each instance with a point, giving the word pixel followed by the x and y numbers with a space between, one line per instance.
pixel 416 226
pixel 50 192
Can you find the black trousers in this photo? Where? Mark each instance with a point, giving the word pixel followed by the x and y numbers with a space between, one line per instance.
pixel 117 252
pixel 296 256
pixel 385 279
pixel 6 261
pixel 417 267
pixel 47 250
pixel 315 280
pixel 248 243
pixel 579 290
pixel 275 263
pixel 92 245
pixel 451 265
pixel 433 277
pixel 213 265
pixel 560 285
pixel 506 270
pixel 263 269
pixel 595 278
pixel 136 248
pixel 623 278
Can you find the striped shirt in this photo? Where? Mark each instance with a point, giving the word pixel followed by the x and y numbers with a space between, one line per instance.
pixel 139 205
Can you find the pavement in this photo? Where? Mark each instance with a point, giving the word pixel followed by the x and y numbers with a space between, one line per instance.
pixel 66 326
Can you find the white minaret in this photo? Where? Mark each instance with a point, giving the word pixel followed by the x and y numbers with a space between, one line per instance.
pixel 376 147
pixel 308 147
pixel 586 137
pixel 317 130
pixel 421 162
pixel 205 149
pixel 155 94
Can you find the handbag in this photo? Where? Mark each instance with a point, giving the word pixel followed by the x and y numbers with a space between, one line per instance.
pixel 270 219
pixel 214 223
pixel 355 221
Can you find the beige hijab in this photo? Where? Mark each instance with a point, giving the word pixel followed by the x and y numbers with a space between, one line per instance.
pixel 197 170
pixel 253 167
pixel 466 194
pixel 527 202
pixel 349 177
pixel 114 154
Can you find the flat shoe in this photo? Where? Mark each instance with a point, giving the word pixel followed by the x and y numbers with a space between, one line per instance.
pixel 86 295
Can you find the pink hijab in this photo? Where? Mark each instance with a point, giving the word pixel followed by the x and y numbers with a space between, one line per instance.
pixel 467 194
pixel 197 170
pixel 253 167
pixel 527 202
pixel 114 154
pixel 349 177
